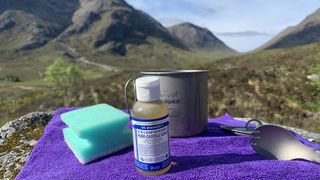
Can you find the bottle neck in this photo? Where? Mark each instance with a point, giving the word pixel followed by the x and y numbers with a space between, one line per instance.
pixel 150 101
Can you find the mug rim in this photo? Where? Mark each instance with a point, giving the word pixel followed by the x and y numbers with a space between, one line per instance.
pixel 165 72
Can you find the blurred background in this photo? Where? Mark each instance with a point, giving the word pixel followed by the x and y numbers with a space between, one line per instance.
pixel 263 56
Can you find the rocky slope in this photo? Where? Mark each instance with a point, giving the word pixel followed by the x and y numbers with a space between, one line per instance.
pixel 17 138
pixel 114 24
pixel 306 32
pixel 28 24
pixel 198 38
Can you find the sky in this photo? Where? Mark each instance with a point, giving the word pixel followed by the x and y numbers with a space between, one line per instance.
pixel 242 24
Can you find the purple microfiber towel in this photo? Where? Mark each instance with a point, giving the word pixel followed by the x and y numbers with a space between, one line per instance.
pixel 217 154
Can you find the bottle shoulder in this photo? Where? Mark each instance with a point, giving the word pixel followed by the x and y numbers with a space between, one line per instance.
pixel 149 110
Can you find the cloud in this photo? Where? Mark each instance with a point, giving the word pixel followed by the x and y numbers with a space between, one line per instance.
pixel 210 10
pixel 242 33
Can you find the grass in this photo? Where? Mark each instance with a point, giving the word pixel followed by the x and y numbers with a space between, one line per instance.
pixel 21 98
pixel 270 85
pixel 311 106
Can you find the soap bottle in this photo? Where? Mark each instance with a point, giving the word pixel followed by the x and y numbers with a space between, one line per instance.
pixel 150 127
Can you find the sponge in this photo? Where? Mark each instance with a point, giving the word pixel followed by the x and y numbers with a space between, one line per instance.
pixel 88 150
pixel 99 120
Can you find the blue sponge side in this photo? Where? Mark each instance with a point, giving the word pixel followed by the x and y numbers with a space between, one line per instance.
pixel 88 150
pixel 94 121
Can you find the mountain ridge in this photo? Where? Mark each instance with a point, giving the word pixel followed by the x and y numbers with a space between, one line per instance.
pixel 31 22
pixel 305 32
pixel 113 23
pixel 199 38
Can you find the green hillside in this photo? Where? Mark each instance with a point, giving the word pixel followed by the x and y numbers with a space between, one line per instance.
pixel 100 70
pixel 271 85
pixel 29 65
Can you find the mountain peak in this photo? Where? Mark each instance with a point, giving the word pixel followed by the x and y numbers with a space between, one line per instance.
pixel 99 24
pixel 96 4
pixel 198 38
pixel 188 24
pixel 114 24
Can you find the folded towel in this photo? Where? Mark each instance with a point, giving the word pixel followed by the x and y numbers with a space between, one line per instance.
pixel 217 154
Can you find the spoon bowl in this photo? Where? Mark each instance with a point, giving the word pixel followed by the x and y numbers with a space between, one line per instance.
pixel 275 142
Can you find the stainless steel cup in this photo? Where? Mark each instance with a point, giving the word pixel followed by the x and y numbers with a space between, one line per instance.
pixel 186 93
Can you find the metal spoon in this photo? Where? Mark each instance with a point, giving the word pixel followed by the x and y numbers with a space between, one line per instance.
pixel 275 142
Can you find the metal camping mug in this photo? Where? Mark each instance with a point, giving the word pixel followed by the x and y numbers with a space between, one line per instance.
pixel 186 93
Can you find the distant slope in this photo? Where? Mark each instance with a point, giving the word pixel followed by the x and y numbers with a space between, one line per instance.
pixel 306 32
pixel 198 38
pixel 29 24
pixel 270 85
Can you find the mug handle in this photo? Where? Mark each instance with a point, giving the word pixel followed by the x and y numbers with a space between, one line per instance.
pixel 134 91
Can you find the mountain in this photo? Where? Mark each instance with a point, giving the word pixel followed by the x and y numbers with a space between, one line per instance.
pixel 306 32
pixel 112 24
pixel 28 24
pixel 198 38
pixel 108 35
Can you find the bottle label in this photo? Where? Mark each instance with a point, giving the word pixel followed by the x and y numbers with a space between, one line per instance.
pixel 151 143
